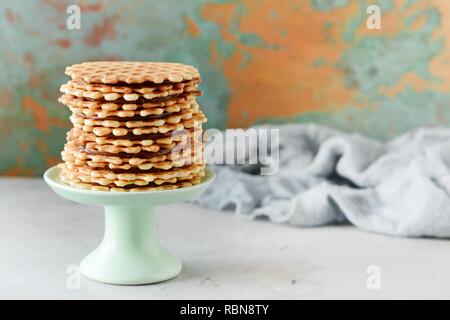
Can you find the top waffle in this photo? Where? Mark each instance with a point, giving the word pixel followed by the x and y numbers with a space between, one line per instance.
pixel 112 72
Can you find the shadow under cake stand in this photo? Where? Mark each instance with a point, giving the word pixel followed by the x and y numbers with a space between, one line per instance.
pixel 129 253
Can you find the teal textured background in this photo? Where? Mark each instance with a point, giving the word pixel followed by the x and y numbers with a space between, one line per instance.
pixel 261 61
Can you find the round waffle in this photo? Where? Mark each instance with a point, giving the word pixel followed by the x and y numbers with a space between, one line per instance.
pixel 151 88
pixel 171 184
pixel 128 97
pixel 163 158
pixel 135 122
pixel 112 72
pixel 167 138
pixel 109 177
pixel 113 128
pixel 133 112
pixel 72 101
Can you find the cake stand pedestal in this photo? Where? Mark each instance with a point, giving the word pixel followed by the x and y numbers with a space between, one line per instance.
pixel 129 253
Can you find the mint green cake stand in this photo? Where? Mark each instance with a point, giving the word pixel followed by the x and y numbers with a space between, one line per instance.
pixel 129 253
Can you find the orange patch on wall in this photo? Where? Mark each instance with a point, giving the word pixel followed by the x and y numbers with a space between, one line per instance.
pixel 222 14
pixel 17 170
pixel 409 79
pixel 34 81
pixel 102 31
pixel 51 161
pixel 42 146
pixel 91 7
pixel 213 52
pixel 440 65
pixel 281 78
pixel 38 112
pixel 29 59
pixel 63 43
pixel 192 27
pixel 5 98
pixel 24 147
pixel 11 17
pixel 57 5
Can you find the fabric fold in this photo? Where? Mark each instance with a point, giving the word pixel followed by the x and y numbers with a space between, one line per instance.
pixel 400 187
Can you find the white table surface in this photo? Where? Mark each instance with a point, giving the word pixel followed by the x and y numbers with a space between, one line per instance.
pixel 224 256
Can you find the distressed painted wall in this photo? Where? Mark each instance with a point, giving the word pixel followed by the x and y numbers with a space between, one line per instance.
pixel 305 61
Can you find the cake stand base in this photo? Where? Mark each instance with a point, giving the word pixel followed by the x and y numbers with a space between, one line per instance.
pixel 129 253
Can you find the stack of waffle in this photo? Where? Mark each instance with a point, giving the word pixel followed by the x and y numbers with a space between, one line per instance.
pixel 136 126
